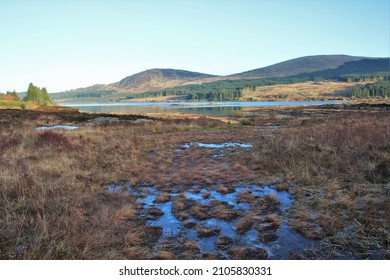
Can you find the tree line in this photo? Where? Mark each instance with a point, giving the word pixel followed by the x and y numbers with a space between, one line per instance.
pixel 224 90
pixel 378 89
pixel 232 90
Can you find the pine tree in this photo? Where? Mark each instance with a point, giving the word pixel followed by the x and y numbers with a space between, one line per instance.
pixel 32 93
pixel 35 94
pixel 44 97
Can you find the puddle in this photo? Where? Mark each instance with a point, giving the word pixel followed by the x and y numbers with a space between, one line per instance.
pixel 289 242
pixel 230 198
pixel 65 127
pixel 217 146
pixel 220 219
pixel 168 222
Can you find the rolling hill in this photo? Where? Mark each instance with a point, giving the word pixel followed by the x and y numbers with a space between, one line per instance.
pixel 160 79
pixel 306 64
pixel 156 79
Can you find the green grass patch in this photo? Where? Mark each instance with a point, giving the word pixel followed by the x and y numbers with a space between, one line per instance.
pixel 19 104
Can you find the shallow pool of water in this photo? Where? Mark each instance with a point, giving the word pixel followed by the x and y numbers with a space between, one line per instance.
pixel 214 234
pixel 217 145
pixel 198 108
pixel 168 222
pixel 65 127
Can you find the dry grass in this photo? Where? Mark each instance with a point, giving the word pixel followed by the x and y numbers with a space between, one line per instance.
pixel 301 91
pixel 224 242
pixel 165 255
pixel 207 231
pixel 191 245
pixel 267 236
pixel 223 189
pixel 155 212
pixel 248 253
pixel 54 204
pixel 164 197
pixel 222 210
pixel 200 211
pixel 245 197
pixel 270 222
pixel 244 225
pixel 340 174
pixel 125 213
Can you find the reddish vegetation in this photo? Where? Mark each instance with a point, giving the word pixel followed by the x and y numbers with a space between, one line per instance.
pixel 335 161
pixel 244 225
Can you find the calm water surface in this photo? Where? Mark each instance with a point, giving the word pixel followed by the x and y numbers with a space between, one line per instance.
pixel 199 108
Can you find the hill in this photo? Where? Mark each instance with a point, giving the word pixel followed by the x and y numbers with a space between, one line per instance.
pixel 156 79
pixel 306 64
pixel 163 82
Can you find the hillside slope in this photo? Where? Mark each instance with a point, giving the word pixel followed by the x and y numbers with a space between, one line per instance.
pixel 306 64
pixel 155 79
pixel 176 82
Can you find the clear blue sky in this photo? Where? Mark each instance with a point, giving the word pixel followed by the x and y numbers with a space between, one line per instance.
pixel 65 44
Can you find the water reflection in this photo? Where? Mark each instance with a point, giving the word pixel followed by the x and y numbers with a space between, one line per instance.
pixel 201 108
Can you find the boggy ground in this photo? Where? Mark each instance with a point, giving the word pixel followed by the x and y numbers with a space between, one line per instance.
pixel 55 202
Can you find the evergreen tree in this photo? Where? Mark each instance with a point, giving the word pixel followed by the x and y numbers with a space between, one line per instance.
pixel 36 94
pixel 44 97
pixel 32 93
pixel 14 95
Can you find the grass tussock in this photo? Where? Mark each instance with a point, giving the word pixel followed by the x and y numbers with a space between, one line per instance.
pixel 334 161
pixel 248 253
pixel 207 231
pixel 244 225
pixel 223 210
pixel 246 197
pixel 164 197
pixel 339 172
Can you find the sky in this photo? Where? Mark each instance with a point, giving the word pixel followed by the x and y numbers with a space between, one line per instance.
pixel 67 44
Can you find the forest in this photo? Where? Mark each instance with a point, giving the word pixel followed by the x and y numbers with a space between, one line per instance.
pixel 231 90
pixel 378 89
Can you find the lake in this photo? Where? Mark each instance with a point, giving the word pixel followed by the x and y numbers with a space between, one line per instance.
pixel 198 108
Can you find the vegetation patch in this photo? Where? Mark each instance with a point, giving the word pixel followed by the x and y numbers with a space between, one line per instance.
pixel 321 179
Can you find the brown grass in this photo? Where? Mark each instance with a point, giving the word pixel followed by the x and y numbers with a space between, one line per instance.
pixel 269 226
pixel 54 204
pixel 248 253
pixel 267 236
pixel 200 211
pixel 268 204
pixel 155 212
pixel 244 225
pixel 165 255
pixel 125 213
pixel 191 245
pixel 337 169
pixel 222 210
pixel 245 197
pixel 164 197
pixel 301 91
pixel 224 242
pixel 223 189
pixel 207 231
pixel 138 253
pixel 206 195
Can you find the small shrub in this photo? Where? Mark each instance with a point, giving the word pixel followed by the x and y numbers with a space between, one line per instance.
pixel 53 140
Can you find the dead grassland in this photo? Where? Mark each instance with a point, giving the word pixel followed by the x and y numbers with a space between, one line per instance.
pixel 335 161
pixel 301 91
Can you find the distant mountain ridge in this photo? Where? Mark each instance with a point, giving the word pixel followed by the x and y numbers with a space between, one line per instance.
pixel 306 64
pixel 160 78
pixel 155 79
